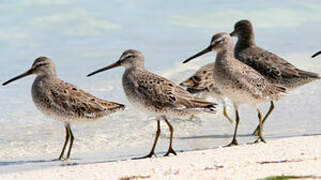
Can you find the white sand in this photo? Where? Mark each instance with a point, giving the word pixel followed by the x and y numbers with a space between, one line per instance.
pixel 288 156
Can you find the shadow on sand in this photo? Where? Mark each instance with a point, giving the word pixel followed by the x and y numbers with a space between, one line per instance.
pixel 8 163
pixel 77 161
pixel 219 136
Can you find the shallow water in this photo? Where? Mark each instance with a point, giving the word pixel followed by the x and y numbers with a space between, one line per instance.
pixel 29 140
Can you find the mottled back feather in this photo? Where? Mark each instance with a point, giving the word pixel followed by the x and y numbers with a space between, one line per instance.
pixel 69 101
pixel 274 68
pixel 158 91
pixel 202 79
pixel 245 77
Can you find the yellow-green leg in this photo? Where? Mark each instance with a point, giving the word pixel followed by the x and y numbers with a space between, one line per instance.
pixel 260 138
pixel 226 115
pixel 152 151
pixel 237 120
pixel 65 144
pixel 71 142
pixel 171 130
pixel 255 132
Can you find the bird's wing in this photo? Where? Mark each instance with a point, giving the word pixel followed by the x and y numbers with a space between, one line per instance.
pixel 267 63
pixel 202 80
pixel 251 80
pixel 78 103
pixel 165 93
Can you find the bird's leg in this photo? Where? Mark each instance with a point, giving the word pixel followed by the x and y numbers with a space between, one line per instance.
pixel 256 132
pixel 71 141
pixel 158 131
pixel 226 115
pixel 260 138
pixel 171 130
pixel 237 120
pixel 152 152
pixel 65 144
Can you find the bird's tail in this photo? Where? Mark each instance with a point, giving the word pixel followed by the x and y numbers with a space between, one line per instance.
pixel 205 106
pixel 113 106
pixel 309 75
pixel 277 92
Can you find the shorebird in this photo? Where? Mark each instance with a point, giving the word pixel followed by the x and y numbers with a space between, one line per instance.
pixel 316 54
pixel 274 68
pixel 238 81
pixel 156 95
pixel 63 101
pixel 202 83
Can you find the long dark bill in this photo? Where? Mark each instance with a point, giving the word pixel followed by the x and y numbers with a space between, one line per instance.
pixel 18 77
pixel 232 33
pixel 116 64
pixel 208 49
pixel 314 55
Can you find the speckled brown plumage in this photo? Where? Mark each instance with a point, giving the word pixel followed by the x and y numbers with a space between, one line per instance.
pixel 202 80
pixel 159 95
pixel 156 95
pixel 274 68
pixel 63 101
pixel 238 81
pixel 202 84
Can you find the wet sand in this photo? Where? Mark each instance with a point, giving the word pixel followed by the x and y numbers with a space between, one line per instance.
pixel 296 156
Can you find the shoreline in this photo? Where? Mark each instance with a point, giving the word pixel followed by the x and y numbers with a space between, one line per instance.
pixel 294 156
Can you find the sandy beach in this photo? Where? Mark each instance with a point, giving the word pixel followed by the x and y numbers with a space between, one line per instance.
pixel 296 156
pixel 82 36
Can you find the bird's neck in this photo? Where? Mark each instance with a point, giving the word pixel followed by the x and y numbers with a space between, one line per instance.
pixel 246 40
pixel 47 76
pixel 135 67
pixel 225 54
pixel 139 65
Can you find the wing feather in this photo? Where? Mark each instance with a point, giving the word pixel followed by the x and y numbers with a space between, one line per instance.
pixel 270 65
pixel 202 79
pixel 75 102
pixel 253 81
pixel 165 93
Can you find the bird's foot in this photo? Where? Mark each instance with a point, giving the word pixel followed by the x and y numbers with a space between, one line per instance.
pixel 62 159
pixel 150 155
pixel 56 159
pixel 258 140
pixel 170 150
pixel 233 143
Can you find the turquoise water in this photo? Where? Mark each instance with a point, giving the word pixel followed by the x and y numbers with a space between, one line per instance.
pixel 81 37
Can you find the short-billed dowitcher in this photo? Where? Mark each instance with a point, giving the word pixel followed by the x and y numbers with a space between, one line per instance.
pixel 274 68
pixel 202 83
pixel 316 54
pixel 156 95
pixel 238 81
pixel 63 101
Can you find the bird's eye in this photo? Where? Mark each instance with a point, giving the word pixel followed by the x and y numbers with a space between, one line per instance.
pixel 131 56
pixel 39 65
pixel 219 41
pixel 127 57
